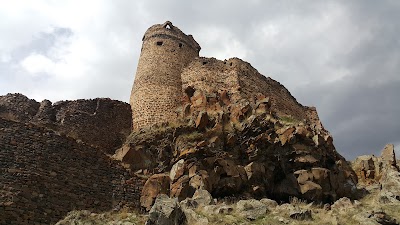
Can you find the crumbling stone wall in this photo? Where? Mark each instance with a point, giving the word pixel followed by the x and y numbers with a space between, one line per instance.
pixel 18 107
pixel 169 59
pixel 251 82
pixel 242 81
pixel 100 122
pixel 156 92
pixel 44 175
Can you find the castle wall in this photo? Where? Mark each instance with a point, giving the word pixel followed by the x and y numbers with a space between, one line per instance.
pixel 242 81
pixel 211 75
pixel 43 176
pixel 156 93
pixel 169 64
pixel 252 82
pixel 101 122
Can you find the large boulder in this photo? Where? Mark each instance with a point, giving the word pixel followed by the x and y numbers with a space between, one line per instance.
pixel 251 209
pixel 166 211
pixel 154 186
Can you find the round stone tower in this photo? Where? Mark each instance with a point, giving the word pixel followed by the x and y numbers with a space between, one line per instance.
pixel 157 90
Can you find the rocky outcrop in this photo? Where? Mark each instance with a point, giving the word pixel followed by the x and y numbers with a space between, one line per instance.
pixel 371 169
pixel 242 147
pixel 44 175
pixel 166 211
pixel 382 172
pixel 100 122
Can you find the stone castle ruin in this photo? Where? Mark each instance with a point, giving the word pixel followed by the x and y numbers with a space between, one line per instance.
pixel 216 126
pixel 170 71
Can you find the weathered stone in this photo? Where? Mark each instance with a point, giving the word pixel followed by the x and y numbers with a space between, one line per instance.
pixel 271 204
pixel 318 140
pixel 251 209
pixel 194 218
pixel 287 135
pixel 301 214
pixel 218 209
pixel 342 204
pixel 177 170
pixel 181 188
pixel 136 156
pixel 202 197
pixel 254 171
pixel 166 211
pixel 155 185
pixel 202 120
pixel 389 155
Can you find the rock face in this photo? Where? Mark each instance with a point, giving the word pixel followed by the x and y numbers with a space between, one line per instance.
pixel 233 130
pixel 382 171
pixel 100 122
pixel 242 151
pixel 371 169
pixel 166 211
pixel 44 175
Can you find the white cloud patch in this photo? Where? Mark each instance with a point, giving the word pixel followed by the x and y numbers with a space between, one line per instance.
pixel 36 64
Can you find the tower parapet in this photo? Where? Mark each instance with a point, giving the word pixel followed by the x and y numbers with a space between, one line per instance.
pixel 157 89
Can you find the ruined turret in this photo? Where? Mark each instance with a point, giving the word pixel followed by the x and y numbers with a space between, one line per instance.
pixel 157 89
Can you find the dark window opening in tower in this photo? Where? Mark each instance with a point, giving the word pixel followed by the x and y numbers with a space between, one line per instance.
pixel 159 43
pixel 180 45
pixel 205 62
pixel 230 64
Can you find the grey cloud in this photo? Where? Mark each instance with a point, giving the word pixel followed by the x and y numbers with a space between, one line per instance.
pixel 340 56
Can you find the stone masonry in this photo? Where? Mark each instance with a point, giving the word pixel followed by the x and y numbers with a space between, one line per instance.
pixel 100 122
pixel 169 64
pixel 157 91
pixel 44 175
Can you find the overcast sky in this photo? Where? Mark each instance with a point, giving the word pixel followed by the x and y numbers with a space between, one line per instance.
pixel 341 56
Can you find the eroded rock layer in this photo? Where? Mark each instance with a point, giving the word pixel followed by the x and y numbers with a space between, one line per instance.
pixel 237 147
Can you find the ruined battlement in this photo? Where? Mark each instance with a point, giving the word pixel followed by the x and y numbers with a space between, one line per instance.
pixel 169 31
pixel 169 64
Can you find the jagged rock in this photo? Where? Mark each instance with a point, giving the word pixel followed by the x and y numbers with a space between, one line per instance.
pixel 271 204
pixel 382 171
pixel 218 209
pixel 166 211
pixel 135 156
pixel 177 170
pixel 342 204
pixel 200 198
pixel 254 171
pixel 202 120
pixel 154 186
pixel 382 218
pixel 301 214
pixel 389 156
pixel 193 218
pixel 390 186
pixel 378 217
pixel 181 188
pixel 367 168
pixel 251 209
